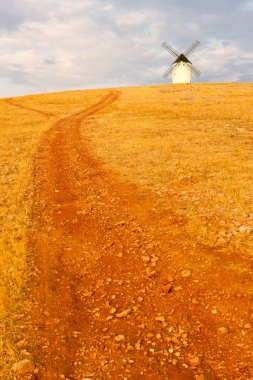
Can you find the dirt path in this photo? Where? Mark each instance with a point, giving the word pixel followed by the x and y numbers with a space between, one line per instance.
pixel 116 296
pixel 42 113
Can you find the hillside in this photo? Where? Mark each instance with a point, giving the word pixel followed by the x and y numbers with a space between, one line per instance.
pixel 126 233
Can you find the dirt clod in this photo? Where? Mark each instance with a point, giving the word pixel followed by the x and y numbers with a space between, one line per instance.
pixel 222 330
pixel 195 362
pixel 23 367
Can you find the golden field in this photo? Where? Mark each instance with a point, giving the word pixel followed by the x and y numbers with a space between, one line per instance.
pixel 188 146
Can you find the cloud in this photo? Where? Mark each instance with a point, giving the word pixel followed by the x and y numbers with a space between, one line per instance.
pixel 248 6
pixel 59 44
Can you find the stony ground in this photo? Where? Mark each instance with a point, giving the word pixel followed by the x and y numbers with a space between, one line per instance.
pixel 115 295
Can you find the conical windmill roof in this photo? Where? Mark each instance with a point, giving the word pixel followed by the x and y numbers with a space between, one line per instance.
pixel 181 58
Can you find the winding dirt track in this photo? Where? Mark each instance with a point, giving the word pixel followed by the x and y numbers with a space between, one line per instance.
pixel 102 259
pixel 42 113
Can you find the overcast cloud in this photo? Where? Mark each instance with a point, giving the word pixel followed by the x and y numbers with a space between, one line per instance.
pixel 55 45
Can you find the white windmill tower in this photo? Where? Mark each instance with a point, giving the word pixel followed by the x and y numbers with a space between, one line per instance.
pixel 182 69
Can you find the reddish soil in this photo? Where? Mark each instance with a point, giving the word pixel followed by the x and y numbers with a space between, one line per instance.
pixel 116 295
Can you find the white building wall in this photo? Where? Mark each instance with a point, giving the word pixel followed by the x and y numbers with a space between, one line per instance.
pixel 183 73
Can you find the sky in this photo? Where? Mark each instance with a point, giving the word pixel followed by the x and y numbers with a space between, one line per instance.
pixel 57 45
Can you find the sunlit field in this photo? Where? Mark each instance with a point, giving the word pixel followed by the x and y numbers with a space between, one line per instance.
pixel 188 147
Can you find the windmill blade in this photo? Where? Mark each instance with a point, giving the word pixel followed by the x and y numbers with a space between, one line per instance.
pixel 192 48
pixel 169 71
pixel 194 69
pixel 170 50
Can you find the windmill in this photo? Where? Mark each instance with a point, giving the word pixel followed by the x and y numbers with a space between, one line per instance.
pixel 181 69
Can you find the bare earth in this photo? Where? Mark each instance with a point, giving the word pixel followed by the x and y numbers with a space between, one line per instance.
pixel 115 295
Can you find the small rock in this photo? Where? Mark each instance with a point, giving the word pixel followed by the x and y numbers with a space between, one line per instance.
pixel 23 366
pixel 160 318
pixel 167 288
pixel 222 330
pixel 181 331
pixel 186 273
pixel 175 340
pixel 150 246
pixel 200 377
pixel 194 362
pixel 119 338
pixel 243 229
pixel 151 273
pixel 123 313
pixel 121 223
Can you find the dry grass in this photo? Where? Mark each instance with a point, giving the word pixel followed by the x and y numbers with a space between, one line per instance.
pixel 21 130
pixel 190 145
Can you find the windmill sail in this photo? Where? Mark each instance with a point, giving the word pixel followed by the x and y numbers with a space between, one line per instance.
pixel 170 71
pixel 170 49
pixel 192 48
pixel 181 69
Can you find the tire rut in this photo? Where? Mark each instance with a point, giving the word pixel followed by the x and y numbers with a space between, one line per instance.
pixel 42 113
pixel 86 240
pixel 57 225
pixel 97 309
